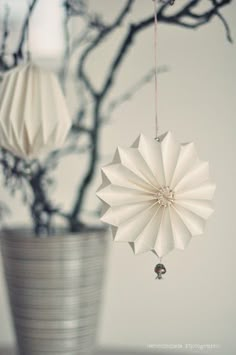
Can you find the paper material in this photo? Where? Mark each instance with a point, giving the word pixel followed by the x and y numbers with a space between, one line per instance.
pixel 34 118
pixel 156 194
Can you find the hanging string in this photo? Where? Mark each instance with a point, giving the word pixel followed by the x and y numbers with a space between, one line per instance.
pixel 28 54
pixel 155 68
pixel 170 2
pixel 160 269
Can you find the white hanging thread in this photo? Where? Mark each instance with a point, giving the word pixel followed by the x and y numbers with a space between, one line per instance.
pixel 155 75
pixel 155 67
pixel 28 54
pixel 171 2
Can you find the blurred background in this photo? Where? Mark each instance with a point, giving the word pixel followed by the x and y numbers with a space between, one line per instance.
pixel 195 304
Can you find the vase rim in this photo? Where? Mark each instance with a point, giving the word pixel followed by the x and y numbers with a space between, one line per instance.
pixel 28 232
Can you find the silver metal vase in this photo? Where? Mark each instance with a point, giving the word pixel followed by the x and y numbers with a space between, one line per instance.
pixel 55 288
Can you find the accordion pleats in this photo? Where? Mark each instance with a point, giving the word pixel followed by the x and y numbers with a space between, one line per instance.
pixel 129 187
pixel 34 117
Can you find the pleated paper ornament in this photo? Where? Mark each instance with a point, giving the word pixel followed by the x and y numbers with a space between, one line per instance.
pixel 157 194
pixel 34 117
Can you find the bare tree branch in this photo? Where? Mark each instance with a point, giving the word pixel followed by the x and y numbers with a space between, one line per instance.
pixel 74 223
pixel 224 22
pixel 35 180
pixel 187 12
pixel 18 55
pixel 178 18
pixel 132 91
pixel 97 41
pixel 5 34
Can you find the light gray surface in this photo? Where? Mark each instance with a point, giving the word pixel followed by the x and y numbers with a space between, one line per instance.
pixel 124 351
pixel 105 352
pixel 101 352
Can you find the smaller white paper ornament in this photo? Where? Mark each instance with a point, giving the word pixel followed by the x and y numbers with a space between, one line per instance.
pixel 157 195
pixel 34 117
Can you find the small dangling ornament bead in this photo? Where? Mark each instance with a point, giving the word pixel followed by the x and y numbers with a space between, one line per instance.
pixel 160 270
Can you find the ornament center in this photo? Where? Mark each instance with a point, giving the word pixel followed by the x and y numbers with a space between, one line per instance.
pixel 165 196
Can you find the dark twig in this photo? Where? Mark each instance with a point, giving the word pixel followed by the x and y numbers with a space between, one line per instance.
pixel 132 91
pixel 5 31
pixel 34 180
pixel 18 55
pixel 66 61
pixel 97 41
pixel 42 209
pixel 177 18
pixel 74 223
pixel 5 34
pixel 224 22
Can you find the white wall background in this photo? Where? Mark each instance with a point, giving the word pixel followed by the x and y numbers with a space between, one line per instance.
pixel 196 302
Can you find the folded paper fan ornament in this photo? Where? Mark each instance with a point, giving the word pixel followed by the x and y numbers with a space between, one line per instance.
pixel 157 194
pixel 34 117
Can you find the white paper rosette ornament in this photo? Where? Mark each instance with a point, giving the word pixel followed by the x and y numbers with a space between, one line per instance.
pixel 34 118
pixel 157 194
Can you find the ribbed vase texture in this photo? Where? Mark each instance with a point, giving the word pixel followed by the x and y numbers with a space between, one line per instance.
pixel 55 288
